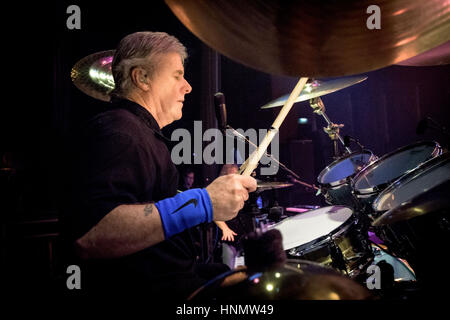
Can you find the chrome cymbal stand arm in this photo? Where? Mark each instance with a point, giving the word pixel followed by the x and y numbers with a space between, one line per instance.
pixel 332 129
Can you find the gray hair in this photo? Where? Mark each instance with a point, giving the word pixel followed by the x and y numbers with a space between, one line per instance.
pixel 138 49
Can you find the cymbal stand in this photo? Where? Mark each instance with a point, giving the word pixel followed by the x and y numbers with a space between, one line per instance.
pixel 332 129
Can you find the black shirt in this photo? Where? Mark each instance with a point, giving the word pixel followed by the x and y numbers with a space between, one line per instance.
pixel 123 159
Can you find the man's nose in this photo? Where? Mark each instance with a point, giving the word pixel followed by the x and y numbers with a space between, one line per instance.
pixel 187 87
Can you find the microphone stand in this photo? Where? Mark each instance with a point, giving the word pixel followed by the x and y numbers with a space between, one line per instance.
pixel 297 177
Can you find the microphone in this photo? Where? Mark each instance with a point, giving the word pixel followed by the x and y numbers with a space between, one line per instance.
pixel 221 111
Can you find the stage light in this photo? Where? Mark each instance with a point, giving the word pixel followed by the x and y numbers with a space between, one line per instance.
pixel 302 120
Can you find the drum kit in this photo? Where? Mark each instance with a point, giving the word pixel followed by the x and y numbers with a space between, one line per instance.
pixel 391 212
pixel 397 204
pixel 374 195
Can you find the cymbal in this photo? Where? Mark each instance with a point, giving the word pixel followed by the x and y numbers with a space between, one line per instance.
pixel 296 280
pixel 93 75
pixel 434 57
pixel 316 89
pixel 262 186
pixel 434 200
pixel 316 38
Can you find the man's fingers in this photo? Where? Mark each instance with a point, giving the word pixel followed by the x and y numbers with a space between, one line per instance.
pixel 248 183
pixel 241 205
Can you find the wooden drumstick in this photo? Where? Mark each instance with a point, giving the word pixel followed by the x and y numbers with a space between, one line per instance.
pixel 252 162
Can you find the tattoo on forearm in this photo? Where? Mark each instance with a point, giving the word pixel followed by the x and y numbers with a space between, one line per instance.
pixel 148 209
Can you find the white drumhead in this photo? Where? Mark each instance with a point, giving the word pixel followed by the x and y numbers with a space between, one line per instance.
pixel 311 225
pixel 345 167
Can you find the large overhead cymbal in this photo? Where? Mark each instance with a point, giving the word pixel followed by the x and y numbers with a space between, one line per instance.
pixel 93 75
pixel 434 57
pixel 316 89
pixel 316 38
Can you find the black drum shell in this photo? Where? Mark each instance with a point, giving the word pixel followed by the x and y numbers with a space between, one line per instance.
pixel 351 240
pixel 365 197
pixel 419 232
pixel 339 192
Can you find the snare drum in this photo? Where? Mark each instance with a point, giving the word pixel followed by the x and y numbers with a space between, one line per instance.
pixel 374 178
pixel 335 179
pixel 331 236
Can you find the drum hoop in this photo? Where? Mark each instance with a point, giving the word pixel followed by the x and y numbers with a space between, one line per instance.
pixel 313 244
pixel 424 167
pixel 367 191
pixel 310 263
pixel 335 162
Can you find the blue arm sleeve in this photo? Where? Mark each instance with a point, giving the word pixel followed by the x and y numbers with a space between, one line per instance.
pixel 185 210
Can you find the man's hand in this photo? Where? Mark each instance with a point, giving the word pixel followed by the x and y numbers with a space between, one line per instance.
pixel 228 194
pixel 228 235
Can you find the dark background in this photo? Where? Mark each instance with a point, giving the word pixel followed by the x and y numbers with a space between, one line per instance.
pixel 41 107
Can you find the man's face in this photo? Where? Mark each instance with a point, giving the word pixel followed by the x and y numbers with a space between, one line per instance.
pixel 189 179
pixel 168 87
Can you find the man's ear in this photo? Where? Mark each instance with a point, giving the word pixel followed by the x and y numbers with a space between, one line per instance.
pixel 140 78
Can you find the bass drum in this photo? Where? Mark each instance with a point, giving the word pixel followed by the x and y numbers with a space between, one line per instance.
pixel 331 236
pixel 374 178
pixel 414 215
pixel 335 179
